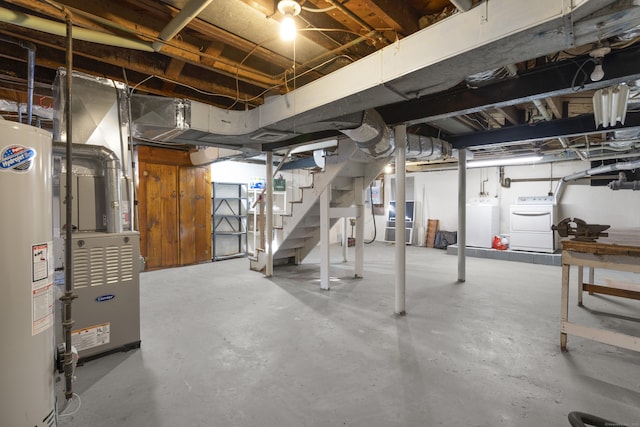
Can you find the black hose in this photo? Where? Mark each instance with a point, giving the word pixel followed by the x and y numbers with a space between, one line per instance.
pixel 580 419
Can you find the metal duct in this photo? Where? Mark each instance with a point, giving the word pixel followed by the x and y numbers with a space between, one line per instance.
pixel 373 136
pixel 500 34
pixel 422 148
pixel 594 171
pixel 376 139
pixel 111 169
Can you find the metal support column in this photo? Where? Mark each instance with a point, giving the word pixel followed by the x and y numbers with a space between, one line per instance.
pixel 401 144
pixel 462 214
pixel 269 213
pixel 325 198
pixel 358 185
pixel 345 240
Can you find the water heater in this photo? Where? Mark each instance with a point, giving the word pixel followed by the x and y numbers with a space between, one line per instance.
pixel 26 286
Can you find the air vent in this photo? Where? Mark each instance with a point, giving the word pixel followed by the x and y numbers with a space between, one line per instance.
pixel 96 264
pixel 113 261
pixel 81 274
pixel 270 136
pixel 126 263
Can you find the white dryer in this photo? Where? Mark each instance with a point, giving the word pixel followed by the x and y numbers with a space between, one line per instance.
pixel 531 219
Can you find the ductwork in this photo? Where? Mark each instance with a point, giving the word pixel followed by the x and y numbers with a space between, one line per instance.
pixel 110 165
pixel 614 167
pixel 498 34
pixel 373 136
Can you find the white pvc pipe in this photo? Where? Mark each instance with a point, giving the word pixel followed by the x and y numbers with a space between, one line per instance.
pixel 59 29
pixel 190 10
pixel 269 213
pixel 401 144
pixel 462 214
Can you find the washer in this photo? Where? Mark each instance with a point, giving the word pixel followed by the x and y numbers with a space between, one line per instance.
pixel 531 219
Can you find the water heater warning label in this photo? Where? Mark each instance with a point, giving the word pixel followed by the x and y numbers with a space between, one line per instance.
pixel 41 288
pixel 93 336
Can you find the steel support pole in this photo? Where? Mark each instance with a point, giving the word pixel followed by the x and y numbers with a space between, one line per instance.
pixel 269 213
pixel 345 240
pixel 462 214
pixel 358 184
pixel 325 198
pixel 401 144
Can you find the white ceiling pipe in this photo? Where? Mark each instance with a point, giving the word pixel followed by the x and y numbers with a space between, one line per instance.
pixel 462 5
pixel 593 171
pixel 181 20
pixel 59 29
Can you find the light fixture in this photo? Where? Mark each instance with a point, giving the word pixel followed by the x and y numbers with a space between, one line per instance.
pixel 388 169
pixel 507 161
pixel 598 54
pixel 290 9
pixel 610 105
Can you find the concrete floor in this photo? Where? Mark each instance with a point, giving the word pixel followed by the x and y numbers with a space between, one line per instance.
pixel 224 346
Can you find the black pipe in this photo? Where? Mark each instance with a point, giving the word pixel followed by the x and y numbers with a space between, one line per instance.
pixel 580 419
pixel 68 297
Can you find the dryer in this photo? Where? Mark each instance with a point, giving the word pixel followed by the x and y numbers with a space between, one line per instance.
pixel 531 219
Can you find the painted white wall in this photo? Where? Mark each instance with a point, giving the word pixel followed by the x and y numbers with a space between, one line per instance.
pixel 435 194
pixel 240 172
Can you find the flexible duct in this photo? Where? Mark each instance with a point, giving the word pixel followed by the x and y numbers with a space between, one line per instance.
pixel 375 138
pixel 111 167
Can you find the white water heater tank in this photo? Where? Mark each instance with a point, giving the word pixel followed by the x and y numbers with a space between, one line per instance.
pixel 26 286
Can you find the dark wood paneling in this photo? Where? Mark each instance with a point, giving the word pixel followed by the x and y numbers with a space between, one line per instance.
pixel 187 216
pixel 203 214
pixel 161 221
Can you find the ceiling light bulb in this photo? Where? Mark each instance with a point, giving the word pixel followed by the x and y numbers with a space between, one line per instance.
pixel 287 29
pixel 388 169
pixel 597 74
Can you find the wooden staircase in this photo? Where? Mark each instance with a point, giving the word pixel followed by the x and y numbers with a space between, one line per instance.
pixel 300 231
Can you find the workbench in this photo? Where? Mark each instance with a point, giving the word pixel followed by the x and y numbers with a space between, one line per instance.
pixel 619 251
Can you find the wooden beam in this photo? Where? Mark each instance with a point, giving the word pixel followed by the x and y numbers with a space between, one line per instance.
pixel 396 14
pixel 101 60
pixel 552 103
pixel 510 113
pixel 186 49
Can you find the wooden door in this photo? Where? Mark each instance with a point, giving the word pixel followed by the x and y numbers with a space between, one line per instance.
pixel 202 201
pixel 195 215
pixel 159 217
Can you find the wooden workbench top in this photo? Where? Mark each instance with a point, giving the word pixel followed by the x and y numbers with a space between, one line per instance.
pixel 619 242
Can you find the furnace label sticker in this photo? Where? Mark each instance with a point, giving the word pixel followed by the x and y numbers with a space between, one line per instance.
pixel 16 158
pixel 41 287
pixel 93 336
